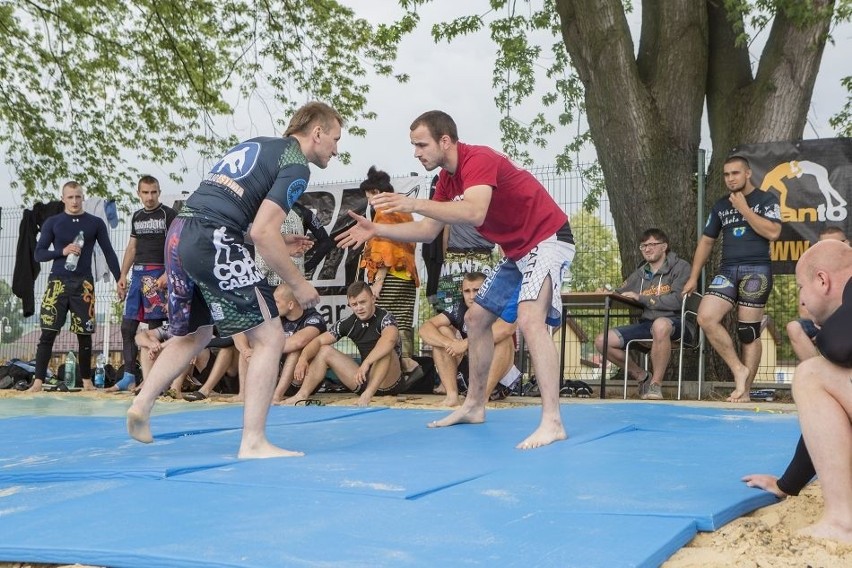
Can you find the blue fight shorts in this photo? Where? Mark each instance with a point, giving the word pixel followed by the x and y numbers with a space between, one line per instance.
pixel 642 330
pixel 213 279
pixel 746 285
pixel 513 282
pixel 144 301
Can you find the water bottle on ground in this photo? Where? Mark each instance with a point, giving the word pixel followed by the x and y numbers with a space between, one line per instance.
pixel 72 259
pixel 70 375
pixel 100 373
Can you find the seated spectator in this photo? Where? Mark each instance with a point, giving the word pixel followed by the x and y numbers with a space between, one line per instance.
pixel 374 332
pixel 803 331
pixel 447 334
pixel 658 285
pixel 225 363
pixel 301 326
pixel 150 343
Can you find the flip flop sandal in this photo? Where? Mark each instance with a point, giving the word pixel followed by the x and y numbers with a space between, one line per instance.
pixel 193 396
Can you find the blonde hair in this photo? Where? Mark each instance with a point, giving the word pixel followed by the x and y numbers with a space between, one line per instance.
pixel 312 113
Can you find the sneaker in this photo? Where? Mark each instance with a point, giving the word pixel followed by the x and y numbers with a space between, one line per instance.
pixel 642 387
pixel 653 392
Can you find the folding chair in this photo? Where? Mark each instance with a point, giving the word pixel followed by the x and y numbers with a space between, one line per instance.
pixel 694 340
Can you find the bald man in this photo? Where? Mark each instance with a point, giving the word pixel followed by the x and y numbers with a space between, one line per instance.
pixel 822 386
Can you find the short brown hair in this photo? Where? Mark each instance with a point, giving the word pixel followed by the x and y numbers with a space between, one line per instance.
pixel 310 114
pixel 147 180
pixel 356 288
pixel 439 124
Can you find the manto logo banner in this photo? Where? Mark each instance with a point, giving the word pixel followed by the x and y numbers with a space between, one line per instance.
pixel 813 182
pixel 331 203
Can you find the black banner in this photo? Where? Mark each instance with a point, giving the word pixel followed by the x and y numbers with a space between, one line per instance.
pixel 813 181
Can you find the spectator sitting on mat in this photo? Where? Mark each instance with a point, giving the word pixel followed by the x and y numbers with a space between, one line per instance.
pixel 150 343
pixel 374 332
pixel 658 285
pixel 301 326
pixel 225 364
pixel 446 333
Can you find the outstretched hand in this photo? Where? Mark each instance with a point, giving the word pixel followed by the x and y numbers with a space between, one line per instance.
pixel 362 231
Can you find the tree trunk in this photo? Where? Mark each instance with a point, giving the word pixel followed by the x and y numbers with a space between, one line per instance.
pixel 645 111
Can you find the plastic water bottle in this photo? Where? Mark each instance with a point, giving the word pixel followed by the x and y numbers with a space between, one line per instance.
pixel 99 371
pixel 70 376
pixel 72 259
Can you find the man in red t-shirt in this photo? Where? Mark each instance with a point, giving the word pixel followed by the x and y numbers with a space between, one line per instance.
pixel 481 187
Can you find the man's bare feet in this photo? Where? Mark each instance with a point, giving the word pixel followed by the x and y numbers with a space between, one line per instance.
pixel 740 393
pixel 88 385
pixel 264 450
pixel 364 400
pixel 451 400
pixel 37 386
pixel 464 415
pixel 139 426
pixel 544 435
pixel 828 530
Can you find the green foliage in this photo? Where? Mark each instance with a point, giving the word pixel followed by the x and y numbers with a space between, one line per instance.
pixel 527 58
pixel 92 87
pixel 782 307
pixel 11 324
pixel 597 260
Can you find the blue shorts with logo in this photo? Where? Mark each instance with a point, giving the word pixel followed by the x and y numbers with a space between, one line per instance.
pixel 213 279
pixel 144 301
pixel 746 285
pixel 642 330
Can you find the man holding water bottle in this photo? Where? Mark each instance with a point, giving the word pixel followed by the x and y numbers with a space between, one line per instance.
pixel 70 286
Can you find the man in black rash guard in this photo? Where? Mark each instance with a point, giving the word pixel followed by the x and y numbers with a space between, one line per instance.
pixel 822 387
pixel 145 299
pixel 70 290
pixel 374 332
pixel 213 279
pixel 747 219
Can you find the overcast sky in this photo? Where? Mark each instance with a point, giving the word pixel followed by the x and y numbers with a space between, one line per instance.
pixel 456 79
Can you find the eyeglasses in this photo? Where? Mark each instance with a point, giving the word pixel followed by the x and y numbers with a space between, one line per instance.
pixel 644 246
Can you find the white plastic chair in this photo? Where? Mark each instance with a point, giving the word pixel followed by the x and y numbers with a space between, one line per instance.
pixel 689 319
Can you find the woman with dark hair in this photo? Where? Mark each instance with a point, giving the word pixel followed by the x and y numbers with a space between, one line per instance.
pixel 392 271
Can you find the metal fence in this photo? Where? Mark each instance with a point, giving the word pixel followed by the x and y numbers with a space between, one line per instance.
pixel 596 263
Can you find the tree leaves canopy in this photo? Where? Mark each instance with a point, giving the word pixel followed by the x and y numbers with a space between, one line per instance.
pixel 91 88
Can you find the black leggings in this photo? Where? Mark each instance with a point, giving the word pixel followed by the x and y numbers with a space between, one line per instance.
pixel 45 350
pixel 129 349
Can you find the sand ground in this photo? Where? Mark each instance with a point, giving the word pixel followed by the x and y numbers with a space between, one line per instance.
pixel 765 538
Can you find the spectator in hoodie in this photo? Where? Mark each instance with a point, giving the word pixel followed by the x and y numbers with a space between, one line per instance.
pixel 658 285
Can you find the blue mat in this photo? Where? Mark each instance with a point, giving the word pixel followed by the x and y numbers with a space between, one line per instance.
pixel 632 485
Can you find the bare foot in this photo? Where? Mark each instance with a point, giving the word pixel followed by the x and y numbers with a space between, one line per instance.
pixel 364 400
pixel 139 426
pixel 738 396
pixel 36 386
pixel 88 385
pixel 826 529
pixel 265 450
pixel 544 435
pixel 464 415
pixel 740 393
pixel 451 400
pixel 292 401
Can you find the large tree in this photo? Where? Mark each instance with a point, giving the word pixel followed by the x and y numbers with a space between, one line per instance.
pixel 644 107
pixel 89 88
